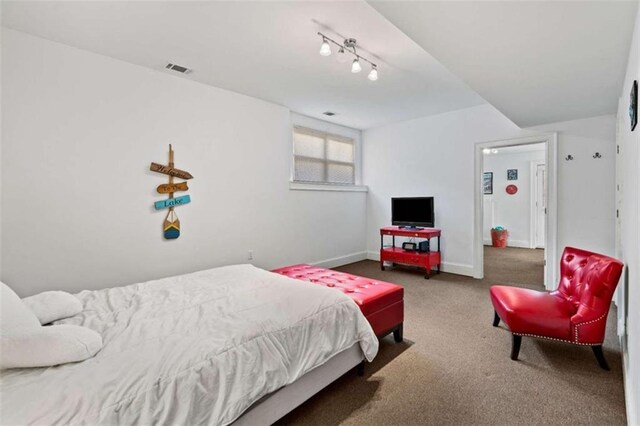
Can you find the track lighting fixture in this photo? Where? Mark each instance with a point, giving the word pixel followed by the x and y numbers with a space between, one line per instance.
pixel 349 46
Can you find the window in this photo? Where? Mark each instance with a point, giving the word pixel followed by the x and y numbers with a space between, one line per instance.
pixel 321 157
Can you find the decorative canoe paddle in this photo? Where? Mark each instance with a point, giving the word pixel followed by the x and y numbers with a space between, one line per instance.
pixel 171 225
pixel 168 188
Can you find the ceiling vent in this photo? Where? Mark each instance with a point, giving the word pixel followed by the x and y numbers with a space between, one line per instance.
pixel 329 113
pixel 178 68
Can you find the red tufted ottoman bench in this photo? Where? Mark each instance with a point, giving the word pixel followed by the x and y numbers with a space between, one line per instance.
pixel 381 303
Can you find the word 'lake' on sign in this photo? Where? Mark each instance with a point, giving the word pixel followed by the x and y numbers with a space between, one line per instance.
pixel 168 188
pixel 172 202
pixel 171 171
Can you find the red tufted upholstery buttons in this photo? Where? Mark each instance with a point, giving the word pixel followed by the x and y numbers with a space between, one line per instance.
pixel 381 302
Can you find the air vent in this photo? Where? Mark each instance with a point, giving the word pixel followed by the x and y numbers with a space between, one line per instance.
pixel 178 68
pixel 329 113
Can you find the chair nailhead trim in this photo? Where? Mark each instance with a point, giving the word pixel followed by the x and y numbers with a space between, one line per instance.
pixel 557 340
pixel 588 322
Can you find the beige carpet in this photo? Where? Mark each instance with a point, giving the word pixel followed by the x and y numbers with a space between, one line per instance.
pixel 454 367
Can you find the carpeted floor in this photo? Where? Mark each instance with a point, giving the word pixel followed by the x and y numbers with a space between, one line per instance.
pixel 454 368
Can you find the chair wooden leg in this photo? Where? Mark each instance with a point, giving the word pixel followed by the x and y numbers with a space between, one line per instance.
pixel 515 347
pixel 602 362
pixel 496 319
pixel 397 334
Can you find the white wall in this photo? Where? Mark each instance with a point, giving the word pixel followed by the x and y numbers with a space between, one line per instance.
pixel 435 155
pixel 1 117
pixel 586 197
pixel 512 211
pixel 79 131
pixel 629 245
pixel 430 156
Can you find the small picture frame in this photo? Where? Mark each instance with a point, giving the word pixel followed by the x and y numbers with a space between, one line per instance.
pixel 487 183
pixel 633 105
pixel 512 174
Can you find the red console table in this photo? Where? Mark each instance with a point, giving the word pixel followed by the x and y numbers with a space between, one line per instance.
pixel 425 259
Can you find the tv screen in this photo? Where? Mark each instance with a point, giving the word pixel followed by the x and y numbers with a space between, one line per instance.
pixel 414 211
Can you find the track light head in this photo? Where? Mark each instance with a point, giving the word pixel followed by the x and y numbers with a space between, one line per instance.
pixel 342 56
pixel 325 49
pixel 355 66
pixel 373 74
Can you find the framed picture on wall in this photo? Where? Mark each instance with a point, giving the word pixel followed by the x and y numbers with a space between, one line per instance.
pixel 487 183
pixel 633 105
pixel 512 174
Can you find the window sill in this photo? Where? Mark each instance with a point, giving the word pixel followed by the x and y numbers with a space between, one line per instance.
pixel 299 186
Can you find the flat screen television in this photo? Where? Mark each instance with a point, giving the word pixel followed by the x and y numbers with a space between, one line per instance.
pixel 412 212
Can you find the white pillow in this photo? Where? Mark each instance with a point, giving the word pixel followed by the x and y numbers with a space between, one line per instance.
pixel 14 315
pixel 53 305
pixel 26 343
pixel 47 346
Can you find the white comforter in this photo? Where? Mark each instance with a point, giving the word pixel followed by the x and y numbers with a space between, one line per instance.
pixel 192 349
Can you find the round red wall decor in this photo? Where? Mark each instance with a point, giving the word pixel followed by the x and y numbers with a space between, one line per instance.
pixel 512 189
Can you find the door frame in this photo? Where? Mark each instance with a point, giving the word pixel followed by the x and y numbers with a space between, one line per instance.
pixel 533 224
pixel 551 249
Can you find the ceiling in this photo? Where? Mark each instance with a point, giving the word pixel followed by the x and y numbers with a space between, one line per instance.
pixel 537 62
pixel 268 50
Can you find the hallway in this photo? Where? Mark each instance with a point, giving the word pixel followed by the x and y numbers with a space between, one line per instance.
pixel 510 265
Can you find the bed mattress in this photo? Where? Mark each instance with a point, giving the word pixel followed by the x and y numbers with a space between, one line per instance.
pixel 193 349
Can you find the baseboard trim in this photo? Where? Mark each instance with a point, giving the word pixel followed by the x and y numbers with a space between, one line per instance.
pixel 629 395
pixel 341 260
pixel 457 268
pixel 511 243
pixel 448 267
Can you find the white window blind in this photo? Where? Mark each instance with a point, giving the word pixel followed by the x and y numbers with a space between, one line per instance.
pixel 321 157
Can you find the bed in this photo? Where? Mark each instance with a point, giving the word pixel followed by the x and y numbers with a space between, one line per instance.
pixel 202 348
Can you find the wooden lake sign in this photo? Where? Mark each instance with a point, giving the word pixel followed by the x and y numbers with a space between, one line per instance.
pixel 171 224
pixel 168 188
pixel 169 170
pixel 172 202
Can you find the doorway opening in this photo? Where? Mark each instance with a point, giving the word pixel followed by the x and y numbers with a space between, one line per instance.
pixel 515 232
pixel 514 220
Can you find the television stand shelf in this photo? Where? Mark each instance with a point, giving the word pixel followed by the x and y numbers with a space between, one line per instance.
pixel 393 254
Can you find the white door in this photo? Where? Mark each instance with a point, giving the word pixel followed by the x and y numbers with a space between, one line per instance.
pixel 541 205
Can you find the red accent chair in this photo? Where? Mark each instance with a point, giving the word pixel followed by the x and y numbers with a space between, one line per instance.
pixel 576 312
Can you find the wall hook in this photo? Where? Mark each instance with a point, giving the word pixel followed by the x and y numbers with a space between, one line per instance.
pixel 597 155
pixel 569 157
